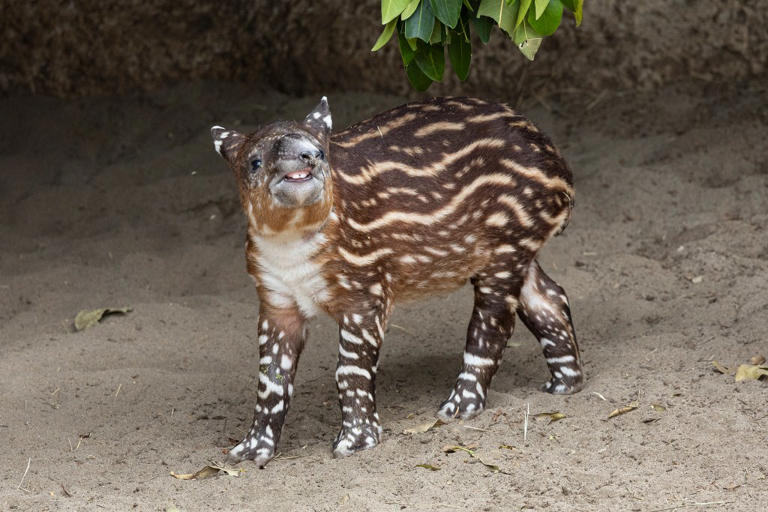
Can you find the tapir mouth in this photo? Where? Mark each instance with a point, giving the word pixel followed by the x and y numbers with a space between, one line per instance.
pixel 298 176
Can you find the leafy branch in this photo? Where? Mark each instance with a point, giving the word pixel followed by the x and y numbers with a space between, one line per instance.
pixel 426 27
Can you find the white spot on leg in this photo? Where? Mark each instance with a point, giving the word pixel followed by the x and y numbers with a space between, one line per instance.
pixel 348 336
pixel 352 370
pixel 270 387
pixel 473 360
pixel 370 339
pixel 562 359
pixel 347 354
pixel 569 372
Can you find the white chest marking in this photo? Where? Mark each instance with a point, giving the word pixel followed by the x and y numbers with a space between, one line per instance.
pixel 290 274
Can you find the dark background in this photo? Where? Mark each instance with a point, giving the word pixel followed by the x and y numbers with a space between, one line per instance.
pixel 85 47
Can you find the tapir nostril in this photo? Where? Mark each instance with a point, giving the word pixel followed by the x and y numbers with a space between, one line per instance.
pixel 311 156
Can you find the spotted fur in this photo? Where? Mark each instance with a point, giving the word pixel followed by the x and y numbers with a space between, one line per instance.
pixel 414 201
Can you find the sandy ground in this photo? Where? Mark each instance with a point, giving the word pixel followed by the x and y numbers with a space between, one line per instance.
pixel 122 202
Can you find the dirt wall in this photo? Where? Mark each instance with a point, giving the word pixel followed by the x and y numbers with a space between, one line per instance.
pixel 80 47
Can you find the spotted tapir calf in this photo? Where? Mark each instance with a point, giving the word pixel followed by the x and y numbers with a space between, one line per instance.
pixel 414 201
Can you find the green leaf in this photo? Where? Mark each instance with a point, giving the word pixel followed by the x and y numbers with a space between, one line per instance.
pixel 575 6
pixel 419 80
pixel 431 60
pixel 462 30
pixel 421 23
pixel 504 15
pixel 549 20
pixel 391 9
pixel 408 11
pixel 468 6
pixel 483 28
pixel 524 33
pixel 437 34
pixel 529 47
pixel 540 6
pixel 386 35
pixel 578 12
pixel 460 55
pixel 406 52
pixel 524 6
pixel 447 11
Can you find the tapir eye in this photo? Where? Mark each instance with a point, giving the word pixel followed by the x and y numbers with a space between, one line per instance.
pixel 255 164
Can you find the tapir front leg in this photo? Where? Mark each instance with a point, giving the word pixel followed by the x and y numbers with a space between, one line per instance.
pixel 360 337
pixel 281 339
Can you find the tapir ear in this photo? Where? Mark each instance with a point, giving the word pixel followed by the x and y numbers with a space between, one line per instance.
pixel 319 120
pixel 226 142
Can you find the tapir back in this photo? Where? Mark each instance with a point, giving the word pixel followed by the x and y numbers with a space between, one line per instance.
pixel 444 184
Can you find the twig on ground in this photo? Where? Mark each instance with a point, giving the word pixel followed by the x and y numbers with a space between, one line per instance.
pixel 598 395
pixel 525 422
pixel 29 461
pixel 119 387
pixel 401 328
pixel 695 504
pixel 476 428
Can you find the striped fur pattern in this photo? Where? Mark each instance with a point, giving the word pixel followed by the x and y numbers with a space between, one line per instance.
pixel 414 201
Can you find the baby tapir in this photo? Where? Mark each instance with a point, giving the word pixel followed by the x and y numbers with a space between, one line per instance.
pixel 411 202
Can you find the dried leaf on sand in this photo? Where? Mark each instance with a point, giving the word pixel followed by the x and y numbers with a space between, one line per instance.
pixel 751 372
pixel 553 416
pixel 722 369
pixel 453 449
pixel 208 471
pixel 90 317
pixel 623 410
pixel 428 466
pixel 423 427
